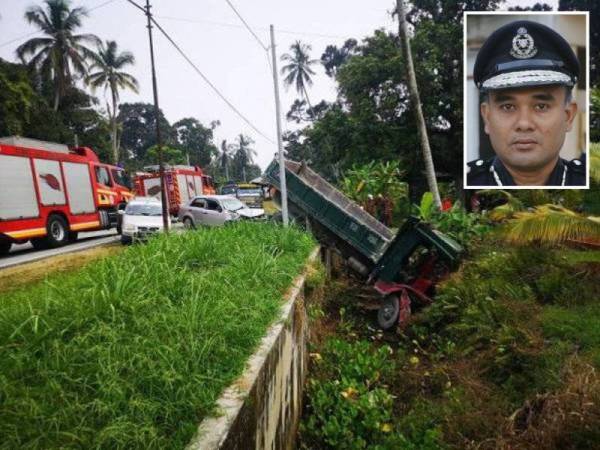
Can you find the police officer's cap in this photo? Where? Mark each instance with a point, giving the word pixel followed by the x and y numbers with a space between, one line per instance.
pixel 525 53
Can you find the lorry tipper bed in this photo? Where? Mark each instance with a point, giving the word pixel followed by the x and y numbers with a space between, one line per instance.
pixel 369 247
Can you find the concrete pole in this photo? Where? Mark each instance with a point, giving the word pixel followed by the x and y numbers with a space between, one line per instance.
pixel 282 181
pixel 416 101
pixel 163 185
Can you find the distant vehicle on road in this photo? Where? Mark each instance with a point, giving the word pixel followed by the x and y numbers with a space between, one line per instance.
pixel 183 183
pixel 216 210
pixel 49 192
pixel 249 193
pixel 141 218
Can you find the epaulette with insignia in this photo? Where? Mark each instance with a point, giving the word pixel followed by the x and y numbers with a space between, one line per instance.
pixel 478 172
pixel 576 172
pixel 578 165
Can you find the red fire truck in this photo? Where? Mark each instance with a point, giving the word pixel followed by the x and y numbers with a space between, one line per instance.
pixel 183 183
pixel 49 192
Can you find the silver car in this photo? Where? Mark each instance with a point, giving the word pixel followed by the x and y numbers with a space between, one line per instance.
pixel 216 210
pixel 141 218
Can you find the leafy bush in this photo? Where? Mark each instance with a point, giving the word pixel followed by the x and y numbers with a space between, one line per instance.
pixel 133 351
pixel 457 223
pixel 351 407
pixel 491 313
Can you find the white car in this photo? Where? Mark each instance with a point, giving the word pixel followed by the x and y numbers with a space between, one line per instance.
pixel 141 218
pixel 216 210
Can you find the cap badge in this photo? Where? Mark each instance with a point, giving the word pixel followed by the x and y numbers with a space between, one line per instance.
pixel 523 46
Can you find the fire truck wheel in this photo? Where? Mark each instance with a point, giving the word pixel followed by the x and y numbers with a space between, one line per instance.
pixel 57 231
pixel 5 247
pixel 39 243
pixel 388 313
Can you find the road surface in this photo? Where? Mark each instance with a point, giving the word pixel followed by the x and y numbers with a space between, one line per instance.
pixel 24 253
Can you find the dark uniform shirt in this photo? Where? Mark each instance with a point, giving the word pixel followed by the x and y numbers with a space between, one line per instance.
pixel 492 172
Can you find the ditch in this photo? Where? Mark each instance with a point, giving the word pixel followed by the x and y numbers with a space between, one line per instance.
pixel 506 357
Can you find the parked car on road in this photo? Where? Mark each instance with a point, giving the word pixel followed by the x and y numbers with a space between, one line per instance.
pixel 216 210
pixel 141 218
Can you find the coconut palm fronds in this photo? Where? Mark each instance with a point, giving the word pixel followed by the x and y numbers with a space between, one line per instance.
pixel 551 224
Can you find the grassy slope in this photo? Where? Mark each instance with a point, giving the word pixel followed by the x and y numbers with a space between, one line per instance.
pixel 506 357
pixel 134 351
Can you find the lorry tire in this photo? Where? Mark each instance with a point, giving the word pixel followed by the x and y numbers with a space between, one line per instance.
pixel 5 247
pixel 388 313
pixel 57 229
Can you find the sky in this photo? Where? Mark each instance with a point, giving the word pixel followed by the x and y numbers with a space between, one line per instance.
pixel 215 39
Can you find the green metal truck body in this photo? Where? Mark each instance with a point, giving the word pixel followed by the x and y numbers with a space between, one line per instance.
pixel 382 253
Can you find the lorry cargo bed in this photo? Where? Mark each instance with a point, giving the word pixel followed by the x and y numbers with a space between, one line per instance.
pixel 319 199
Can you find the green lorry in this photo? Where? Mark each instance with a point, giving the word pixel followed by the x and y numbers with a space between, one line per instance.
pixel 386 259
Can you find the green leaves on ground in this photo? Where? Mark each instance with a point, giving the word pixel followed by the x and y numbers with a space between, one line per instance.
pixel 350 406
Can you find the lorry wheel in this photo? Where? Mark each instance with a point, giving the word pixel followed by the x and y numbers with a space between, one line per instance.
pixel 5 247
pixel 57 229
pixel 388 313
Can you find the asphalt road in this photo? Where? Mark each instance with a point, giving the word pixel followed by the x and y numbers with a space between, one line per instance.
pixel 24 253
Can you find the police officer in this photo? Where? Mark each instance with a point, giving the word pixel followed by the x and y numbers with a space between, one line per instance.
pixel 525 73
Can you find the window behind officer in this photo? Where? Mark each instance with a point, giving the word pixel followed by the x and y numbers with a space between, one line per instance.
pixel 525 73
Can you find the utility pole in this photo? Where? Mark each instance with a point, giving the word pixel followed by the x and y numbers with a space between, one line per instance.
pixel 282 181
pixel 163 185
pixel 416 101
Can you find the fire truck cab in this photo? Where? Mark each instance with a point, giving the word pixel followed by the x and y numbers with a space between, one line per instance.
pixel 49 192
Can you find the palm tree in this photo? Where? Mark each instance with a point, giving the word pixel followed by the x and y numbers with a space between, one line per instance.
pixel 107 67
pixel 60 53
pixel 244 154
pixel 298 70
pixel 225 157
pixel 552 224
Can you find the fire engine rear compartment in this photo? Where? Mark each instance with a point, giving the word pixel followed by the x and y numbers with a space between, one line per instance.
pixel 33 189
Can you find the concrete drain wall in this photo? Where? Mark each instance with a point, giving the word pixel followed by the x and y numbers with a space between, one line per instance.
pixel 262 408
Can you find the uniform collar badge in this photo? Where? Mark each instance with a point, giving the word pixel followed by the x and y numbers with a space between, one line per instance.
pixel 523 46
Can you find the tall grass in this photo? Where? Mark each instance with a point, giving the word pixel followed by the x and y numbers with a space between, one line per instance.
pixel 132 352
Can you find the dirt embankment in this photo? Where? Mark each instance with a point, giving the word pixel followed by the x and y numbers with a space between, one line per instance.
pixel 23 274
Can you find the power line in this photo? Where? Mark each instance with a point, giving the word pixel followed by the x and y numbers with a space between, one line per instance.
pixel 39 31
pixel 233 25
pixel 19 38
pixel 247 26
pixel 207 81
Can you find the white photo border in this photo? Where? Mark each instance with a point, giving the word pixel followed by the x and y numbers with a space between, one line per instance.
pixel 587 92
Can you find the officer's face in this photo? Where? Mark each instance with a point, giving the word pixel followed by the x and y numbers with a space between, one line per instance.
pixel 527 126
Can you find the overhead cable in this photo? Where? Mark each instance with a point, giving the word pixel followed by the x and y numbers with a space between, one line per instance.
pixel 247 26
pixel 213 87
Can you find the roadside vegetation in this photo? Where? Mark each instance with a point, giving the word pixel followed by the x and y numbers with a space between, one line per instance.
pixel 133 351
pixel 506 357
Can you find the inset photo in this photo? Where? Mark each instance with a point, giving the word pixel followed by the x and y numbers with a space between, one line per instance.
pixel 526 108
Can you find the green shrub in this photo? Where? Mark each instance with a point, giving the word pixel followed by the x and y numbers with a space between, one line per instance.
pixel 133 351
pixel 351 407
